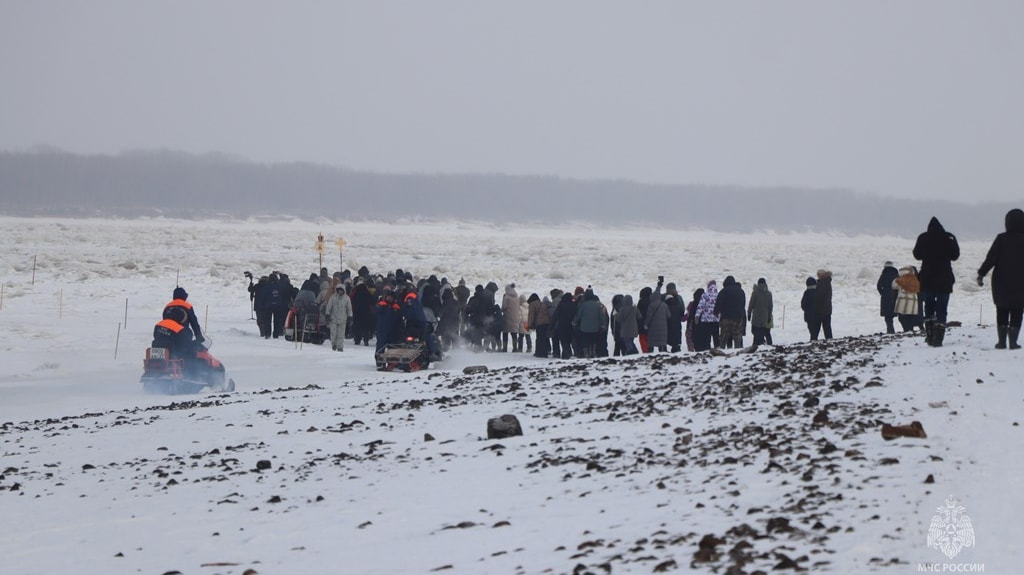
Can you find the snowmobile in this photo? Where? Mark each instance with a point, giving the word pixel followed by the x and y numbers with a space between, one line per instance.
pixel 174 376
pixel 307 321
pixel 408 355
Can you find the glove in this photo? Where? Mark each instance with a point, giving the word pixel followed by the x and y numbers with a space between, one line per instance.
pixel 981 281
pixel 200 339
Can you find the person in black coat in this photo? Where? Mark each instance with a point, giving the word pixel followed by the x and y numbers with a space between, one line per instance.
pixel 565 312
pixel 676 310
pixel 1006 258
pixel 937 249
pixel 807 304
pixel 731 308
pixel 887 295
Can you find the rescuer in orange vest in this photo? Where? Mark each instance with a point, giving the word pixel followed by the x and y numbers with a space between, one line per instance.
pixel 180 303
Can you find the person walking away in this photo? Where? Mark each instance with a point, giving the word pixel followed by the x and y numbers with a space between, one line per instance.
pixel 691 319
pixel 337 312
pixel 705 334
pixel 731 308
pixel 1006 260
pixel 588 321
pixel 628 326
pixel 538 318
pixel 823 303
pixel 676 311
pixel 887 295
pixel 759 313
pixel 908 305
pixel 656 321
pixel 807 305
pixel 937 249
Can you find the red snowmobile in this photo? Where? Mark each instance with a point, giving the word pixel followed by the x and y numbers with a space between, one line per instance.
pixel 169 375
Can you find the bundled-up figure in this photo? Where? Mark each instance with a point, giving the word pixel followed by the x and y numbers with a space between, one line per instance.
pixel 538 318
pixel 565 312
pixel 656 321
pixel 822 306
pixel 170 333
pixel 628 325
pixel 1006 258
pixel 389 320
pixel 705 333
pixel 591 323
pixel 887 295
pixel 759 312
pixel 731 309
pixel 180 303
pixel 513 319
pixel 448 322
pixel 937 249
pixel 807 305
pixel 337 312
pixel 908 305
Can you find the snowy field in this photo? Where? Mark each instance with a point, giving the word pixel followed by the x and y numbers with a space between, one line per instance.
pixel 625 466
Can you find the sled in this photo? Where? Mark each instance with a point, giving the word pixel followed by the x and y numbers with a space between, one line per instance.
pixel 409 355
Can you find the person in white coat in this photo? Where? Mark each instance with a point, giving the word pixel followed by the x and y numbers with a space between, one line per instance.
pixel 337 312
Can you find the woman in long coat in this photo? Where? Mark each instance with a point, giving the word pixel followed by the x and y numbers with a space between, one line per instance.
pixel 656 323
pixel 1006 259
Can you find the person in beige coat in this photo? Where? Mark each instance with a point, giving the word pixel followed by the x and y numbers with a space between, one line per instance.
pixel 337 312
pixel 513 317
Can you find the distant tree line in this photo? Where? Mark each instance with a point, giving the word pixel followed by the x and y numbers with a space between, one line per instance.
pixel 176 184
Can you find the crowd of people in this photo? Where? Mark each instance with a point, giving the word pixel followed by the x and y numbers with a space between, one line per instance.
pixel 577 323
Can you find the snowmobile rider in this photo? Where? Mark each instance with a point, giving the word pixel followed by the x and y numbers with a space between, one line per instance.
pixel 416 324
pixel 170 333
pixel 180 303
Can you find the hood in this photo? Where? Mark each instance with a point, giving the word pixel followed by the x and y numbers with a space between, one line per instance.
pixel 180 293
pixel 935 226
pixel 627 300
pixel 1015 220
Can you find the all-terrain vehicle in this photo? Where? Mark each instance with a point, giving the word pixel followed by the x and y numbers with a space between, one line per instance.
pixel 162 373
pixel 408 355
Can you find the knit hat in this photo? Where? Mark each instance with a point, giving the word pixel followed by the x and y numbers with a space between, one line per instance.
pixel 889 264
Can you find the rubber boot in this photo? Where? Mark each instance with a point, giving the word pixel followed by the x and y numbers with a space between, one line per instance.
pixel 940 334
pixel 1001 332
pixel 1014 333
pixel 929 331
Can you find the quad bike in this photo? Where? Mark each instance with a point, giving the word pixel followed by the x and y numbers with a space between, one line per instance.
pixel 169 375
pixel 408 355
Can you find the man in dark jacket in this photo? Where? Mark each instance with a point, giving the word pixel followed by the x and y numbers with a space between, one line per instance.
pixel 1006 258
pixel 676 309
pixel 887 295
pixel 731 308
pixel 565 312
pixel 937 249
pixel 180 303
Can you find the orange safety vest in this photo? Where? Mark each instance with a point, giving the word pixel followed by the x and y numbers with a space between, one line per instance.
pixel 171 325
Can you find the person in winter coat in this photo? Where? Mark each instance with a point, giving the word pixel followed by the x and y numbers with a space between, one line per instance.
pixel 759 312
pixel 588 321
pixel 676 311
pixel 691 318
pixel 908 305
pixel 656 321
pixel 179 301
pixel 389 320
pixel 513 319
pixel 807 305
pixel 524 328
pixel 616 304
pixel 259 305
pixel 823 305
pixel 337 312
pixel 364 300
pixel 937 249
pixel 705 333
pixel 448 322
pixel 887 295
pixel 628 326
pixel 556 344
pixel 731 309
pixel 538 318
pixel 565 312
pixel 643 300
pixel 1006 258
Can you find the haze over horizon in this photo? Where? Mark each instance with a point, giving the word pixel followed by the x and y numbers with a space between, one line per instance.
pixel 913 100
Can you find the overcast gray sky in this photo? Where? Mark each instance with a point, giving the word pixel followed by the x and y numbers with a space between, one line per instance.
pixel 912 98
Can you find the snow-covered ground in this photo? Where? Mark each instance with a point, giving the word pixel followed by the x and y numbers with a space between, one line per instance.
pixel 624 465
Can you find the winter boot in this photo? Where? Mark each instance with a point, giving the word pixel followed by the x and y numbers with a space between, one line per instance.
pixel 929 331
pixel 939 335
pixel 1014 332
pixel 1001 332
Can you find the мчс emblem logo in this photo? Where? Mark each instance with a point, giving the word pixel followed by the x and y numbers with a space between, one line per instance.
pixel 951 529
